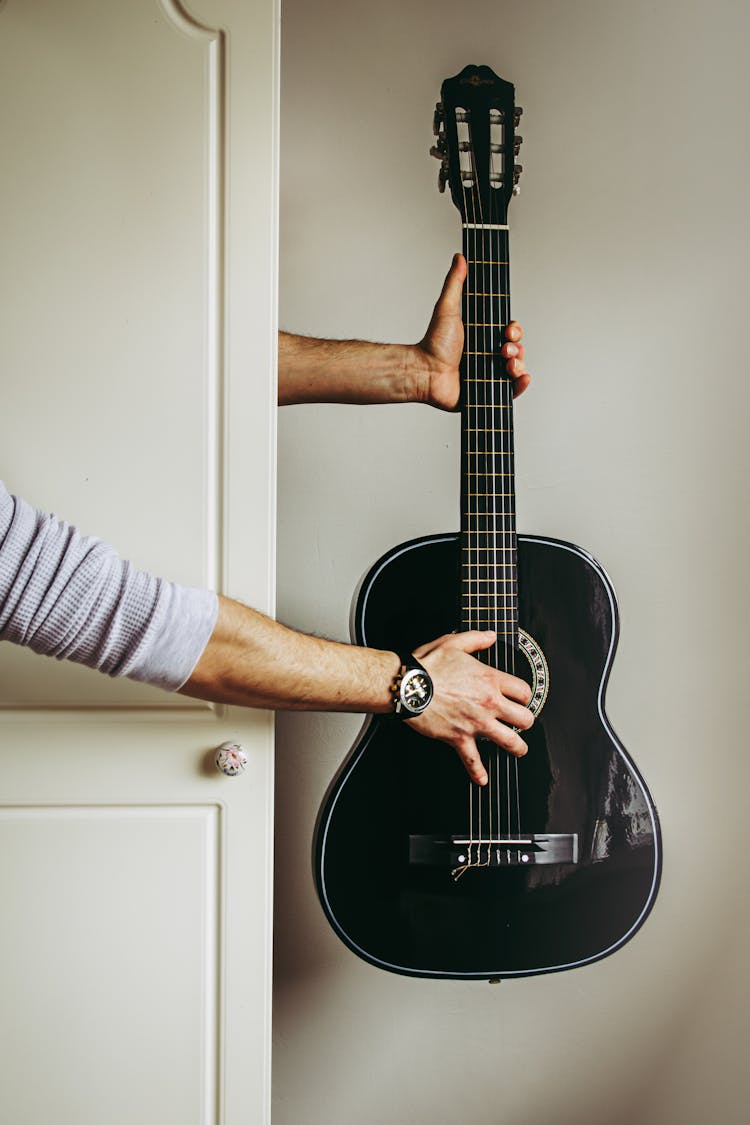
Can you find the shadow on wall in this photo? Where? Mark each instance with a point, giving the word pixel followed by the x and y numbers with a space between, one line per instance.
pixel 309 750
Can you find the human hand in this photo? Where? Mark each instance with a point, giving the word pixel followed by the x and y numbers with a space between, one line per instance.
pixel 442 346
pixel 472 700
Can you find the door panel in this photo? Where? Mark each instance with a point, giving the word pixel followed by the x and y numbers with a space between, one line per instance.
pixel 137 351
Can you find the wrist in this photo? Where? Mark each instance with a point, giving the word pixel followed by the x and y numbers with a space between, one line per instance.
pixel 419 369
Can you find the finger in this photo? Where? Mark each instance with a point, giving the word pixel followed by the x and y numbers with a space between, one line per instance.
pixel 513 687
pixel 473 764
pixel 520 384
pixel 469 641
pixel 514 331
pixel 508 739
pixel 514 715
pixel 511 351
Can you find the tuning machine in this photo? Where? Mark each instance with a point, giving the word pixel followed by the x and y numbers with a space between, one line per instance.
pixel 440 151
pixel 438 119
pixel 517 142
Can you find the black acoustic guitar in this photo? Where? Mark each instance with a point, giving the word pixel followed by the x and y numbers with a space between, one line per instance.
pixel 556 862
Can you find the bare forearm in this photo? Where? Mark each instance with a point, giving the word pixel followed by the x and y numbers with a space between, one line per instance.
pixel 352 371
pixel 253 661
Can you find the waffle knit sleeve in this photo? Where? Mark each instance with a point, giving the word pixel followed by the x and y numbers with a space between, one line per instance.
pixel 71 596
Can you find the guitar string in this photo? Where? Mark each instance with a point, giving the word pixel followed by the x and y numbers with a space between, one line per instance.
pixel 498 531
pixel 474 568
pixel 512 552
pixel 489 486
pixel 489 330
pixel 469 502
pixel 488 565
pixel 496 329
pixel 511 592
pixel 507 512
pixel 508 539
pixel 506 531
pixel 499 589
pixel 483 478
pixel 474 558
pixel 477 318
pixel 487 480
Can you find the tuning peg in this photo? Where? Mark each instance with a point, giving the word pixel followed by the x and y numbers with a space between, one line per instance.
pixel 517 170
pixel 442 178
pixel 438 151
pixel 517 113
pixel 437 120
pixel 517 141
pixel 516 189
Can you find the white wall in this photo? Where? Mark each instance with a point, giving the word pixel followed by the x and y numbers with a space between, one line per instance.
pixel 629 266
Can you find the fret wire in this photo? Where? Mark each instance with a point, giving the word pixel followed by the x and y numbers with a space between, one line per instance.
pixel 475 597
pixel 505 566
pixel 491 473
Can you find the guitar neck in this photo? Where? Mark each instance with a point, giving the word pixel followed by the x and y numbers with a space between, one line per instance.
pixel 489 573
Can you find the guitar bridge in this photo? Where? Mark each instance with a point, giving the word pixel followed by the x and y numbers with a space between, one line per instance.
pixel 512 850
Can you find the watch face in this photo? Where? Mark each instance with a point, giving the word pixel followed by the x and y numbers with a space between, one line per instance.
pixel 416 691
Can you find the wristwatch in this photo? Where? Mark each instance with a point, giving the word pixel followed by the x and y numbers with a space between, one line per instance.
pixel 411 689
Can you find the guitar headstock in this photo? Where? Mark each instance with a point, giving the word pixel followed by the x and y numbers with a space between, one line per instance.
pixel 475 125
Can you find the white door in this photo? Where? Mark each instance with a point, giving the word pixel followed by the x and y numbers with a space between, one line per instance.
pixel 137 350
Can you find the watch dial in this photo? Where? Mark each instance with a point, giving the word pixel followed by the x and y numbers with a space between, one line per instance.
pixel 416 691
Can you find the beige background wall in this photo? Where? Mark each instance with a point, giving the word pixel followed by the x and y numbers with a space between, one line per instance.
pixel 629 266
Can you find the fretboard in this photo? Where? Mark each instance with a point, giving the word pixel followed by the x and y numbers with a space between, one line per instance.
pixel 489 575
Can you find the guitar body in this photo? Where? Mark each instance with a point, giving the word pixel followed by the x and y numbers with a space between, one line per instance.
pixel 556 861
pixel 388 863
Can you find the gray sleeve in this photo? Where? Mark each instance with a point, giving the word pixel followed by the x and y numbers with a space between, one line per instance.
pixel 71 596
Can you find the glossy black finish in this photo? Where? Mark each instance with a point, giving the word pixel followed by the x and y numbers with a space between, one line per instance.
pixel 576 778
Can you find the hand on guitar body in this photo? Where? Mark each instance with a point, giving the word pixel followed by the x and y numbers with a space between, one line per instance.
pixel 472 700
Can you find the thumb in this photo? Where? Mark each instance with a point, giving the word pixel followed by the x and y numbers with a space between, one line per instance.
pixel 450 295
